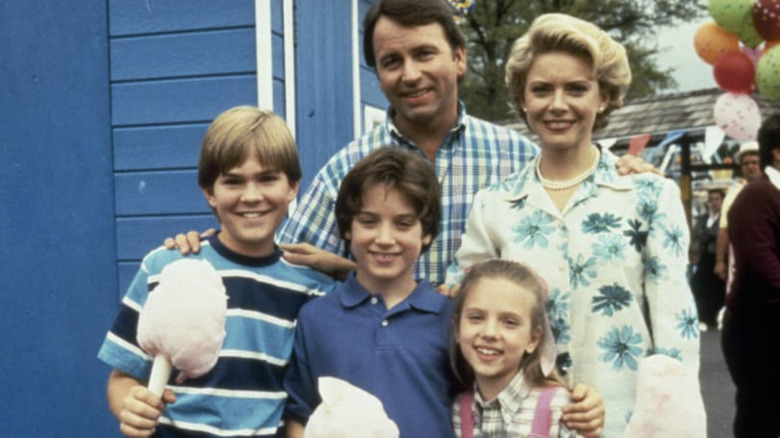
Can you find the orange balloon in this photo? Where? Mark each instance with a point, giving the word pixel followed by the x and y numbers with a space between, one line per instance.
pixel 711 41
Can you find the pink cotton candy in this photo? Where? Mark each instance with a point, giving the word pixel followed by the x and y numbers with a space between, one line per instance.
pixel 184 317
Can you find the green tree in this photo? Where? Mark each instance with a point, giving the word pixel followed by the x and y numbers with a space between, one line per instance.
pixel 492 26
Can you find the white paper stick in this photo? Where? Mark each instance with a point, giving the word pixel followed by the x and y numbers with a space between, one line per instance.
pixel 161 371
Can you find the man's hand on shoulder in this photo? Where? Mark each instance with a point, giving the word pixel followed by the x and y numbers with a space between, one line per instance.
pixel 317 258
pixel 188 243
pixel 628 164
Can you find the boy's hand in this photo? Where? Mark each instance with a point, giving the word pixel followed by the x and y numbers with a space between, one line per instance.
pixel 628 164
pixel 317 258
pixel 141 410
pixel 188 243
pixel 586 414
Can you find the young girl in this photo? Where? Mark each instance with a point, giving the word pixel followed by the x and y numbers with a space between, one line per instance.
pixel 503 353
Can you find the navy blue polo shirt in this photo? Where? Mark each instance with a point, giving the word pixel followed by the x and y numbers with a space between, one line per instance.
pixel 398 355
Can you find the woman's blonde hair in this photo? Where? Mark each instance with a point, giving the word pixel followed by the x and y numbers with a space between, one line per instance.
pixel 564 33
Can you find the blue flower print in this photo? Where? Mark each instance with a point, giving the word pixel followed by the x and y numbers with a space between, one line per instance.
pixel 621 347
pixel 612 299
pixel 557 314
pixel 674 240
pixel 563 362
pixel 638 238
pixel 648 187
pixel 646 208
pixel 596 223
pixel 654 269
pixel 581 270
pixel 517 204
pixel 688 324
pixel 609 248
pixel 533 229
pixel 674 353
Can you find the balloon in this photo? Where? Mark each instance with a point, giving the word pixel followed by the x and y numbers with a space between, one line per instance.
pixel 768 73
pixel 753 54
pixel 747 32
pixel 729 14
pixel 735 72
pixel 738 116
pixel 711 41
pixel 766 19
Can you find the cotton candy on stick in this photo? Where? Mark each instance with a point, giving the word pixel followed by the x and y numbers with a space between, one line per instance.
pixel 182 323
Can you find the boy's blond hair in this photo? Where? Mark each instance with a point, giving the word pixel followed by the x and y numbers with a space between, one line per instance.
pixel 231 135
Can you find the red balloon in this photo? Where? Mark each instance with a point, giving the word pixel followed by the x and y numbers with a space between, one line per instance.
pixel 735 72
pixel 766 19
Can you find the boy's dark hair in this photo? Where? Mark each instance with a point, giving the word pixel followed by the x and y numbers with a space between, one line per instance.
pixel 397 169
pixel 768 139
pixel 411 13
pixel 231 135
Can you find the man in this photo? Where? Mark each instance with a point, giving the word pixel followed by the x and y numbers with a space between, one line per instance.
pixel 747 157
pixel 751 325
pixel 708 288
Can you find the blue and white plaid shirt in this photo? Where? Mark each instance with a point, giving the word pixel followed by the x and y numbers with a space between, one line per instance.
pixel 473 155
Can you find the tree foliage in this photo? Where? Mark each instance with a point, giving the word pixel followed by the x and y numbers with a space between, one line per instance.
pixel 492 25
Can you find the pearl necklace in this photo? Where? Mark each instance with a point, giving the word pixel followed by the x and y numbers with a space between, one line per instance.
pixel 563 185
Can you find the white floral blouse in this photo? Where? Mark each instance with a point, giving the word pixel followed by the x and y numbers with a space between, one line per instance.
pixel 615 261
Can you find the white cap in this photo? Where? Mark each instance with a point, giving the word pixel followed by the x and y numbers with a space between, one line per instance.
pixel 746 147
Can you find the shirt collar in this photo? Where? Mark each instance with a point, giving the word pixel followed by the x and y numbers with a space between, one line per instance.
pixel 773 175
pixel 510 399
pixel 423 297
pixel 459 126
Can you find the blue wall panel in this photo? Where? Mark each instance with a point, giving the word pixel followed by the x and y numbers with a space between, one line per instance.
pixel 57 264
pixel 176 101
pixel 159 193
pixel 133 17
pixel 324 81
pixel 184 54
pixel 137 236
pixel 157 147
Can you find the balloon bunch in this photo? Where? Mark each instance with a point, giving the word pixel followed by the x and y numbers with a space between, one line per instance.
pixel 743 46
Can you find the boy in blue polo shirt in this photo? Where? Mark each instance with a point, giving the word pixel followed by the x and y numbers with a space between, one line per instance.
pixel 381 330
pixel 249 173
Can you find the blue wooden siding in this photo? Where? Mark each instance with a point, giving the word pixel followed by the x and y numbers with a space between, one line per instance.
pixel 57 268
pixel 175 65
pixel 370 93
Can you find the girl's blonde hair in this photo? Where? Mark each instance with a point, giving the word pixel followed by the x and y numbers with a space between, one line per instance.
pixel 564 33
pixel 526 278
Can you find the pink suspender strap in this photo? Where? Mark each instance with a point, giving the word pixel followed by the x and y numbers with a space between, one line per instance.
pixel 542 416
pixel 467 415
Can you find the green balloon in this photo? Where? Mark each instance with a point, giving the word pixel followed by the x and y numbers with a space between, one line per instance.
pixel 730 14
pixel 748 34
pixel 768 73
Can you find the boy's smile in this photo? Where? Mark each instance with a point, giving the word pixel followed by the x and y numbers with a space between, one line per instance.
pixel 251 201
pixel 386 240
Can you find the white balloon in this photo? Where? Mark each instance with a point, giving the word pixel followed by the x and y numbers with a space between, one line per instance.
pixel 738 116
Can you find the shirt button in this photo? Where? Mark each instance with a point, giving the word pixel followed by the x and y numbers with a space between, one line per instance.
pixel 374 300
pixel 384 323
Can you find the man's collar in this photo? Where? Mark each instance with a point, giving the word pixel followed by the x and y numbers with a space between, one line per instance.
pixel 773 175
pixel 391 128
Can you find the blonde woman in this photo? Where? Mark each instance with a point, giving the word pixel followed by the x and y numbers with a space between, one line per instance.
pixel 612 248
